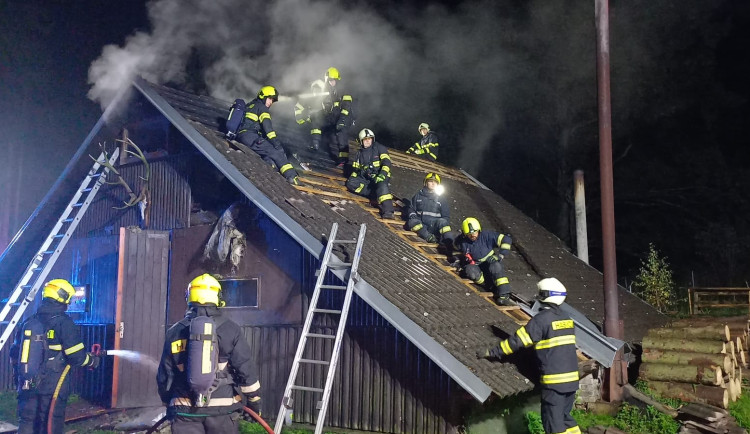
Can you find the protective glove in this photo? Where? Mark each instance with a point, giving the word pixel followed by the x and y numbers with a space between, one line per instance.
pixel 380 178
pixel 339 127
pixel 408 151
pixel 95 360
pixel 483 354
pixel 230 135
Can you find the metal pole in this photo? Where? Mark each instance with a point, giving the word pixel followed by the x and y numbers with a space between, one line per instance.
pixel 582 246
pixel 616 375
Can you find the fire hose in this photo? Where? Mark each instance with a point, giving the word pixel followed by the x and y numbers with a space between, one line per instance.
pixel 254 415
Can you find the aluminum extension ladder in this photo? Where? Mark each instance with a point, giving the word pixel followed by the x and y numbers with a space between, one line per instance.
pixel 37 271
pixel 287 402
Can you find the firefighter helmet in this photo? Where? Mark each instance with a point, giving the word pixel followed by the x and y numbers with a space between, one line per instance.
pixel 268 92
pixel 470 225
pixel 204 289
pixel 365 133
pixel 432 177
pixel 332 74
pixel 422 126
pixel 551 291
pixel 58 289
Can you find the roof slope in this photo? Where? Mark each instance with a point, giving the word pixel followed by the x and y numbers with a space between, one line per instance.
pixel 426 295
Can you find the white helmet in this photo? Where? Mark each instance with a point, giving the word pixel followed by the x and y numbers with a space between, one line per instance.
pixel 551 291
pixel 365 133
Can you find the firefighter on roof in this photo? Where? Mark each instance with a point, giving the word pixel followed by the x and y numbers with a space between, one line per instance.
pixel 257 133
pixel 47 345
pixel 479 257
pixel 551 332
pixel 371 171
pixel 428 215
pixel 207 372
pixel 427 146
pixel 333 119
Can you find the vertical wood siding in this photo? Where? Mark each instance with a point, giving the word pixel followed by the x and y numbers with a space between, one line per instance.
pixel 383 382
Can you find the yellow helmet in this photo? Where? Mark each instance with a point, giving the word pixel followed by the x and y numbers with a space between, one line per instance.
pixel 58 289
pixel 432 177
pixel 423 125
pixel 204 289
pixel 470 225
pixel 332 74
pixel 365 133
pixel 268 92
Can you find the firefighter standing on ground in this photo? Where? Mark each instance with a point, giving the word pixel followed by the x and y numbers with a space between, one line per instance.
pixel 552 334
pixel 371 171
pixel 427 146
pixel 64 349
pixel 479 257
pixel 428 216
pixel 257 133
pixel 333 119
pixel 236 381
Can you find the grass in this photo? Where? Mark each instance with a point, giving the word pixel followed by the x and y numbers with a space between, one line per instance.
pixel 740 409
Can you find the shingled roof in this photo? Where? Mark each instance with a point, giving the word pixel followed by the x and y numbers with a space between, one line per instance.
pixel 423 299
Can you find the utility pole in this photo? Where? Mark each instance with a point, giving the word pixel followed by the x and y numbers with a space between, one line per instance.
pixel 616 376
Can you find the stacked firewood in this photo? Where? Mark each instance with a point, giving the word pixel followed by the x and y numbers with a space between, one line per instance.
pixel 697 360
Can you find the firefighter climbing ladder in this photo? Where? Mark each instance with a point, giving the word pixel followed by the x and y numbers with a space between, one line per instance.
pixel 287 401
pixel 45 257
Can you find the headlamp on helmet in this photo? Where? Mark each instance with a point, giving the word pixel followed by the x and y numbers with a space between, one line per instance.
pixel 551 291
pixel 470 225
pixel 59 290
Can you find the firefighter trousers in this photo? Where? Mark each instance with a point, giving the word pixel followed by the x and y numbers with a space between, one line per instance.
pixel 323 128
pixel 33 411
pixel 495 269
pixel 370 188
pixel 198 424
pixel 556 407
pixel 432 229
pixel 269 153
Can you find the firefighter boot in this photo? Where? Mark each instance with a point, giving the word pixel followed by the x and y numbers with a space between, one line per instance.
pixel 386 209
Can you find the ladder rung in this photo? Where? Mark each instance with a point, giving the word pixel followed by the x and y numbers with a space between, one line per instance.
pixel 318 335
pixel 67 220
pixel 59 236
pixel 333 287
pixel 48 252
pixel 326 311
pixel 345 241
pixel 96 175
pixel 341 265
pixel 37 269
pixel 316 362
pixel 77 205
pixel 309 389
pixel 86 190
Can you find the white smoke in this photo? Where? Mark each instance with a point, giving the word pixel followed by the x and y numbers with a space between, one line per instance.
pixel 393 61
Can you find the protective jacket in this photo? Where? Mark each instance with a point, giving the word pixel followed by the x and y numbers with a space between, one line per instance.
pixel 257 124
pixel 337 106
pixel 481 250
pixel 237 372
pixel 426 206
pixel 551 332
pixel 65 346
pixel 372 162
pixel 426 147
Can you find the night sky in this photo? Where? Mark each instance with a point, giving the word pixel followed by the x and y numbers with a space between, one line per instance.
pixel 508 85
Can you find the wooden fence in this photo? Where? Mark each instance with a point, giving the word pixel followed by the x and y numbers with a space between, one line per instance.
pixel 699 298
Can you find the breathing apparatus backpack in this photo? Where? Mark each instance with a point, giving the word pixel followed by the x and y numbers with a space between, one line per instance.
pixel 33 353
pixel 234 120
pixel 203 373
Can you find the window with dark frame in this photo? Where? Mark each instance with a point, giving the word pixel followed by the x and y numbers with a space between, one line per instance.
pixel 244 293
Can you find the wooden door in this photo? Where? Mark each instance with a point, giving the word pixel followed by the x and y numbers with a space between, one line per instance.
pixel 140 315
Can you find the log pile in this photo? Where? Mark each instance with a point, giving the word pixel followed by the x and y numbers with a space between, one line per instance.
pixel 697 360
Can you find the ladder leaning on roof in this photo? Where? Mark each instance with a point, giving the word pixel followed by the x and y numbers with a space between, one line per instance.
pixel 287 401
pixel 45 257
